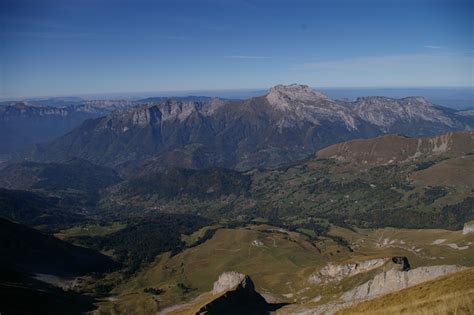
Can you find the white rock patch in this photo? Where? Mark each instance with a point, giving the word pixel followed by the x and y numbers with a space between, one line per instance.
pixel 438 242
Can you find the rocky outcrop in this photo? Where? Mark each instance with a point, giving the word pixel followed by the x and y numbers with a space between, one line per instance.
pixel 468 227
pixel 237 296
pixel 335 272
pixel 383 283
pixel 283 96
pixel 230 280
pixel 395 280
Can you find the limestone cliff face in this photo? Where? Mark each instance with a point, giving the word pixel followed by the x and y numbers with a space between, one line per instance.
pixel 395 280
pixel 386 112
pixel 300 103
pixel 468 228
pixel 385 282
pixel 335 272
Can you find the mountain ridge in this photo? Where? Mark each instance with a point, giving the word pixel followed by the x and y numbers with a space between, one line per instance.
pixel 287 124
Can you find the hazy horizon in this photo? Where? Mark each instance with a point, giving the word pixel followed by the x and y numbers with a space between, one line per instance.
pixel 453 97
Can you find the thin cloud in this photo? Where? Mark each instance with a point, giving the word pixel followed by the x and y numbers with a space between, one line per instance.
pixel 247 57
pixel 30 22
pixel 386 62
pixel 85 35
pixel 171 37
pixel 48 35
pixel 434 47
pixel 447 69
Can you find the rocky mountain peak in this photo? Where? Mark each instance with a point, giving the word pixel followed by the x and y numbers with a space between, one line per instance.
pixel 282 95
pixel 419 99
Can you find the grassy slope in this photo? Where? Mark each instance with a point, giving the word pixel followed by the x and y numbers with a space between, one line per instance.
pixel 282 266
pixel 452 294
pixel 419 245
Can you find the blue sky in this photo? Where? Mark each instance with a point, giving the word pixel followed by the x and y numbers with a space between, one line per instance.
pixel 102 46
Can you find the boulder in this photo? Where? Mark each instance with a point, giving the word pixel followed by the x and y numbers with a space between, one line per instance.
pixel 402 260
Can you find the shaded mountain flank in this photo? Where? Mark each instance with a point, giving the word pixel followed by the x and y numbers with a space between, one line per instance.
pixel 33 263
pixel 36 252
pixel 35 209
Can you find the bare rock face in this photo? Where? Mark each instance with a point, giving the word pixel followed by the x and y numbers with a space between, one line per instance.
pixel 333 272
pixel 385 112
pixel 383 283
pixel 283 96
pixel 468 228
pixel 468 113
pixel 228 280
pixel 301 103
pixel 395 280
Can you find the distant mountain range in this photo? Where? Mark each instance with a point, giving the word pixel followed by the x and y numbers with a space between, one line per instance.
pixel 286 124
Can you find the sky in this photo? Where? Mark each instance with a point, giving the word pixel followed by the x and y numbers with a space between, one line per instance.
pixel 61 47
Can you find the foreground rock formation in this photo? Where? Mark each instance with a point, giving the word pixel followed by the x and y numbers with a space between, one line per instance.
pixel 238 297
pixel 395 280
pixel 389 281
pixel 451 294
pixel 232 293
